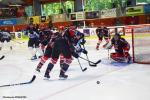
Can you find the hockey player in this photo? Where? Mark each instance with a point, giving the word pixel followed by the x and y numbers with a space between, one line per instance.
pixel 79 40
pixel 33 41
pixel 49 47
pixel 5 36
pixel 62 45
pixel 44 37
pixel 121 47
pixel 102 32
pixel 48 50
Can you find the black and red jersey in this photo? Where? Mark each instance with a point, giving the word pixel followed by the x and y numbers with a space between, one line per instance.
pixel 119 44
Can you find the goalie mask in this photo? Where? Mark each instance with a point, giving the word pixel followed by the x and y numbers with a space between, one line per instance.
pixel 117 36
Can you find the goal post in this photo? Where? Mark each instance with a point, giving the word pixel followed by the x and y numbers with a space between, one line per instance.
pixel 141 44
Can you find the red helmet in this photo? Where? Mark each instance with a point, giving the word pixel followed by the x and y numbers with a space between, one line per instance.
pixel 72 32
pixel 61 27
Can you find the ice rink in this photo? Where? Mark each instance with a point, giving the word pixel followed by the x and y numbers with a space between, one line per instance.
pixel 118 81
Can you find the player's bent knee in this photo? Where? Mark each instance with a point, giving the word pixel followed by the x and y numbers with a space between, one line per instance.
pixel 54 60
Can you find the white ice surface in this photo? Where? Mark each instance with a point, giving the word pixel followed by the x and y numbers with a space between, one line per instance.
pixel 118 81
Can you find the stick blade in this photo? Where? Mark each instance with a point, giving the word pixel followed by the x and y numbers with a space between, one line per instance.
pixel 98 62
pixel 84 69
pixel 93 65
pixel 2 57
pixel 33 78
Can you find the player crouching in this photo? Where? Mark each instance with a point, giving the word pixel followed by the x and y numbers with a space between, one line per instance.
pixel 121 47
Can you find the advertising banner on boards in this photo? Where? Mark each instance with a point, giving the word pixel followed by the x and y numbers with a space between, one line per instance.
pixel 108 13
pixel 92 15
pixel 8 22
pixel 80 16
pixel 59 18
pixel 147 9
pixel 133 11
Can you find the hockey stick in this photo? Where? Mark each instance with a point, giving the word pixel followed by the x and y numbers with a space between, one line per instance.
pixel 33 78
pixel 2 57
pixel 88 58
pixel 90 61
pixel 81 66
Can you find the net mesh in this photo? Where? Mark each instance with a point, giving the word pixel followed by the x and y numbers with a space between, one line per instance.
pixel 141 44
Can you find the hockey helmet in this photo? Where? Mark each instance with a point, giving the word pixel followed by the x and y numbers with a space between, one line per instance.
pixel 117 36
pixel 61 27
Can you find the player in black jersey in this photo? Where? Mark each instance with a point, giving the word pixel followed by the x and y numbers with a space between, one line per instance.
pixel 63 45
pixel 102 32
pixel 121 47
pixel 48 50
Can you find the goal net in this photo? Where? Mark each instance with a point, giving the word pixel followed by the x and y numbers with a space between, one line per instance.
pixel 141 44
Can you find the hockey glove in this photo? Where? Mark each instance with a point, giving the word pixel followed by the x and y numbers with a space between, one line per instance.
pixel 75 55
pixel 84 51
pixel 109 47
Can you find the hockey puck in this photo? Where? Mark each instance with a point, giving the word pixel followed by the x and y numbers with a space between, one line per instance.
pixel 98 82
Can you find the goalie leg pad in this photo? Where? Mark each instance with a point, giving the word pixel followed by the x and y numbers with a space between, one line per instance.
pixel 126 49
pixel 117 57
pixel 127 56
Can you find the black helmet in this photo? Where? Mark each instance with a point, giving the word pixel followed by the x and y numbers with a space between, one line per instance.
pixel 117 34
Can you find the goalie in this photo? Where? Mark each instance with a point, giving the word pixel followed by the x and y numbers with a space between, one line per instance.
pixel 121 47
